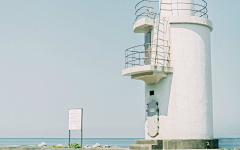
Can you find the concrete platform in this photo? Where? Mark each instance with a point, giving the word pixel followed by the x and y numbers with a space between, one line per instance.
pixel 176 144
pixel 148 73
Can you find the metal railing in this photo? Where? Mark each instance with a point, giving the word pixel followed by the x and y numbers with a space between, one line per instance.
pixel 160 31
pixel 145 8
pixel 157 55
pixel 149 8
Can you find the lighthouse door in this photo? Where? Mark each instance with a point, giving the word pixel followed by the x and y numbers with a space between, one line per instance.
pixel 152 118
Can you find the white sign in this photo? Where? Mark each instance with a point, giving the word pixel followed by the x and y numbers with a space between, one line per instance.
pixel 75 119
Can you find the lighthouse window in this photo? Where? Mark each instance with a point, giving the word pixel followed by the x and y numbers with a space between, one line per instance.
pixel 147 40
pixel 151 93
pixel 147 47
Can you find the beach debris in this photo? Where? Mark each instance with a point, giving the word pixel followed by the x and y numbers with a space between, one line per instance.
pixel 43 144
pixel 106 146
pixel 59 145
pixel 97 145
pixel 87 146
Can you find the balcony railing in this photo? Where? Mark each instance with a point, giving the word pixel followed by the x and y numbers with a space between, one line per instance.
pixel 149 8
pixel 157 55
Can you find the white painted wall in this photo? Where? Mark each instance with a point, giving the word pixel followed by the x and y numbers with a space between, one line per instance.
pixel 162 93
pixel 183 7
pixel 190 106
pixel 185 98
pixel 177 8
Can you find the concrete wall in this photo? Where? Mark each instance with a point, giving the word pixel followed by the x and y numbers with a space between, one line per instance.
pixel 184 92
pixel 190 107
pixel 177 8
pixel 185 97
pixel 162 93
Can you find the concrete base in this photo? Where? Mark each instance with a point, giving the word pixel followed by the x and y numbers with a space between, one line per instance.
pixel 176 144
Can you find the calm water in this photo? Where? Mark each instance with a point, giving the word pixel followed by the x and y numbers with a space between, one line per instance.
pixel 120 142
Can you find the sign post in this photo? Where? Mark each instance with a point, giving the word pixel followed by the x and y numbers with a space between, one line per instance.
pixel 69 138
pixel 75 121
pixel 81 127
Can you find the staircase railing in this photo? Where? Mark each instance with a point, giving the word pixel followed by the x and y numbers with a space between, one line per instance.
pixel 160 38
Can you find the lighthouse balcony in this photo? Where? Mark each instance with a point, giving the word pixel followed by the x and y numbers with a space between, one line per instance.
pixel 143 25
pixel 150 65
pixel 147 11
pixel 150 8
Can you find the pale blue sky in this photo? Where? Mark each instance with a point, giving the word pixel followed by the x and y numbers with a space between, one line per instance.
pixel 62 54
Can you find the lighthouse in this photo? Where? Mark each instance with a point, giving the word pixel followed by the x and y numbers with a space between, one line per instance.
pixel 174 62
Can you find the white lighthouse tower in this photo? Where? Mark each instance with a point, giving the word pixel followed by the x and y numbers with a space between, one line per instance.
pixel 175 63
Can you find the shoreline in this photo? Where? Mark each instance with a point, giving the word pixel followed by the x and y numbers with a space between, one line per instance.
pixel 32 147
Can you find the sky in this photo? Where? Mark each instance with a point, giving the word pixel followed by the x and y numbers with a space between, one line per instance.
pixel 62 54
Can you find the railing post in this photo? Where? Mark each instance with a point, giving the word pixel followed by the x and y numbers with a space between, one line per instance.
pixel 125 59
pixel 139 59
pixel 150 9
pixel 132 58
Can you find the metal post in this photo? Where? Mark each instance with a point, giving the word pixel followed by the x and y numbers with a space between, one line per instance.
pixel 69 138
pixel 132 57
pixel 125 59
pixel 150 9
pixel 81 127
pixel 139 60
pixel 126 62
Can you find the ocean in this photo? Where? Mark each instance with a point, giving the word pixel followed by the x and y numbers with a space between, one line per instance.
pixel 225 143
